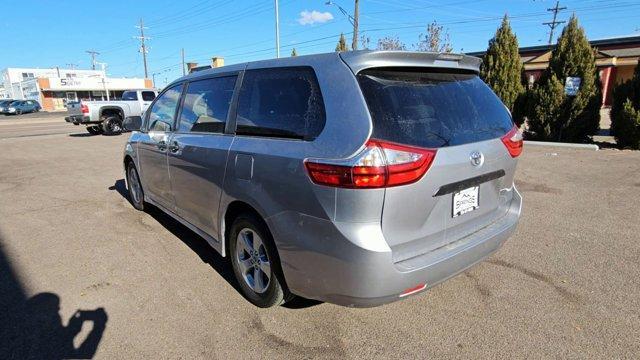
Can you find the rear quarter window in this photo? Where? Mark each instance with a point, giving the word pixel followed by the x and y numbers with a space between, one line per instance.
pixel 280 102
pixel 432 108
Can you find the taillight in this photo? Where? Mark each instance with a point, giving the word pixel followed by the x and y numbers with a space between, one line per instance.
pixel 84 108
pixel 514 142
pixel 380 164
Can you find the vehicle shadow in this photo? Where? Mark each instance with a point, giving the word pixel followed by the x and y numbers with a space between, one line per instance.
pixel 81 135
pixel 32 328
pixel 201 247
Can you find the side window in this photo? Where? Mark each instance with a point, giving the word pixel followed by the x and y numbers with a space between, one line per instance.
pixel 281 102
pixel 129 95
pixel 148 95
pixel 206 104
pixel 163 111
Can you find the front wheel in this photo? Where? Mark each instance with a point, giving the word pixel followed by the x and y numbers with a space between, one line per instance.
pixel 112 126
pixel 136 195
pixel 255 262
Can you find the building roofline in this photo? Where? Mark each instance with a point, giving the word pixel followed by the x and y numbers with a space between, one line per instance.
pixel 597 42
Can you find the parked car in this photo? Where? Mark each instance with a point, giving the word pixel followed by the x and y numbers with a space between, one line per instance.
pixel 105 117
pixel 17 107
pixel 4 102
pixel 356 178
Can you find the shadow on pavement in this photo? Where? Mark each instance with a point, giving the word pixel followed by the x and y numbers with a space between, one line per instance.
pixel 31 328
pixel 201 247
pixel 86 134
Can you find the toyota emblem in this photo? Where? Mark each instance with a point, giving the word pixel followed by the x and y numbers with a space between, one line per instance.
pixel 477 159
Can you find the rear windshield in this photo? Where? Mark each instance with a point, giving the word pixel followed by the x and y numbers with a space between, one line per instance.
pixel 432 109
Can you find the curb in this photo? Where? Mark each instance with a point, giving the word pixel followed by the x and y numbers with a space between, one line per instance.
pixel 565 145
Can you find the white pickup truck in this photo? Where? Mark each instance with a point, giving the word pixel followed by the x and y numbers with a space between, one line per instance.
pixel 105 117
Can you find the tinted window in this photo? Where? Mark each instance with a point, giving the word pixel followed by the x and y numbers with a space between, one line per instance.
pixel 163 111
pixel 129 95
pixel 281 102
pixel 148 95
pixel 206 104
pixel 432 109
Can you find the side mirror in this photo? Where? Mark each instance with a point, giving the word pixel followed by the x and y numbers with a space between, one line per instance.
pixel 132 123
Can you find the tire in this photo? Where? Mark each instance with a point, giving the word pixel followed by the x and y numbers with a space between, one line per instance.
pixel 18 112
pixel 94 130
pixel 254 260
pixel 134 186
pixel 112 125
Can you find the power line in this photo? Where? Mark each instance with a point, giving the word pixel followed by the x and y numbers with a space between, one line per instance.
pixel 553 24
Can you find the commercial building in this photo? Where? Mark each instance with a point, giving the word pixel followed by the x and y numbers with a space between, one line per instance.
pixel 616 59
pixel 53 87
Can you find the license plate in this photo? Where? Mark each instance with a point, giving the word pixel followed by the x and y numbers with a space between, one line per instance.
pixel 465 201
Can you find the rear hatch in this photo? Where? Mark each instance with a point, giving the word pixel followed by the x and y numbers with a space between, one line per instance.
pixel 469 183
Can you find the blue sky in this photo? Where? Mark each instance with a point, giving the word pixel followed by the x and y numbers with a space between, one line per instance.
pixel 56 33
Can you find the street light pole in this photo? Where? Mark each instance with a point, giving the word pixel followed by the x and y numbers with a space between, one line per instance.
pixel 277 30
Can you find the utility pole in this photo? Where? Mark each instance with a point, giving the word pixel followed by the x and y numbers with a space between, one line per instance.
pixel 183 69
pixel 93 54
pixel 143 47
pixel 277 29
pixel 554 23
pixel 356 16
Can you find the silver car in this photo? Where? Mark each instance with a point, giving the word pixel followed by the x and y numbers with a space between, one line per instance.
pixel 356 178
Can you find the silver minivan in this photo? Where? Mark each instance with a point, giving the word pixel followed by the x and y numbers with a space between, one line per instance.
pixel 356 178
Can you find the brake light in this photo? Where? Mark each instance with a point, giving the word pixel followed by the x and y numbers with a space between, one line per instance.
pixel 84 108
pixel 380 164
pixel 514 142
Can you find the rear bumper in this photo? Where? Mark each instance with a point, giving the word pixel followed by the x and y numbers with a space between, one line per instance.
pixel 327 261
pixel 79 119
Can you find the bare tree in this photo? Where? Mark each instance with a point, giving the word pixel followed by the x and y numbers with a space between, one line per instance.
pixel 391 43
pixel 436 39
pixel 365 41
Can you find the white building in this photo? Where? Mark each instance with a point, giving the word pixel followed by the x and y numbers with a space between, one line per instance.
pixel 52 88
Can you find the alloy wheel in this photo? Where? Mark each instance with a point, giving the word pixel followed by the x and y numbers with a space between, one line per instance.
pixel 134 185
pixel 253 260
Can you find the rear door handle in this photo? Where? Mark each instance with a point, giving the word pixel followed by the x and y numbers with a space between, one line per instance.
pixel 175 147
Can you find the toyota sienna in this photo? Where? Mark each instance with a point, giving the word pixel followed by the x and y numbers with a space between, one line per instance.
pixel 356 178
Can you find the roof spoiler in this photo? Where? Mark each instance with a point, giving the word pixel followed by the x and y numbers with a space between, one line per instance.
pixel 364 59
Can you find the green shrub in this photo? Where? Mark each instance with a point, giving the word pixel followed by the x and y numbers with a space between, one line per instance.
pixel 625 112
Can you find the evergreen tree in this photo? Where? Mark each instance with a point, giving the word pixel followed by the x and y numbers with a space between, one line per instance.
pixel 502 68
pixel 625 112
pixel 342 44
pixel 576 117
pixel 294 52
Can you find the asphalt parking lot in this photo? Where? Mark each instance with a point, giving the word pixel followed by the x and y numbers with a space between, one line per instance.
pixel 566 285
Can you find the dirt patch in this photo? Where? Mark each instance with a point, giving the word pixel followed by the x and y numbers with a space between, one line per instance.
pixel 525 186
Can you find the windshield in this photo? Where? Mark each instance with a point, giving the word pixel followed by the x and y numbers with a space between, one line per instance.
pixel 432 109
pixel 129 95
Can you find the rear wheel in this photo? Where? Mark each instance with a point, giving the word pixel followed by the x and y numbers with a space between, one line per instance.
pixel 136 195
pixel 112 125
pixel 255 262
pixel 94 130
